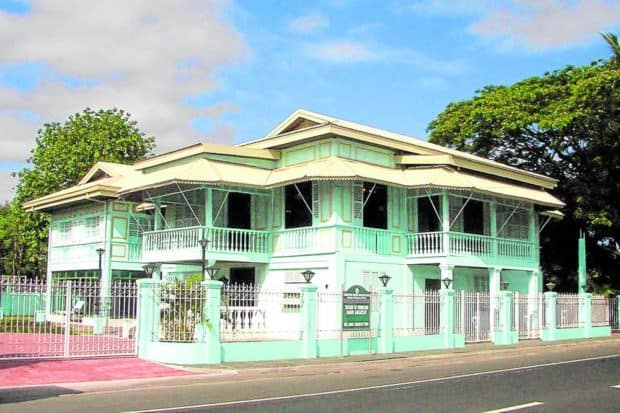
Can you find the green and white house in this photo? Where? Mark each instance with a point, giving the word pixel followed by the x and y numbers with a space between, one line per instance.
pixel 346 201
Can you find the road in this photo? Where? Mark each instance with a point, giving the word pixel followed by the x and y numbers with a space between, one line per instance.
pixel 573 377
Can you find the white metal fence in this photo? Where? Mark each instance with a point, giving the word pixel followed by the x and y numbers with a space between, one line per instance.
pixel 567 311
pixel 473 315
pixel 527 310
pixel 329 314
pixel 601 311
pixel 416 314
pixel 75 318
pixel 181 312
pixel 251 313
pixel 614 302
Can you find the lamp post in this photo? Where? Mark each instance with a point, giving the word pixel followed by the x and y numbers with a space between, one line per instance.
pixel 100 251
pixel 447 282
pixel 308 274
pixel 385 279
pixel 203 244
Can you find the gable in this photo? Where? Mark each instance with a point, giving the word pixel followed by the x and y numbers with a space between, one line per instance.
pixel 299 123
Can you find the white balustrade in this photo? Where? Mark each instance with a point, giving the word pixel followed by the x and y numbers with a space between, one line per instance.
pixel 426 243
pixel 470 244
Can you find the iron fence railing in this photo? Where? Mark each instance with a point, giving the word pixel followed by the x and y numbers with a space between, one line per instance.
pixel 600 311
pixel 567 311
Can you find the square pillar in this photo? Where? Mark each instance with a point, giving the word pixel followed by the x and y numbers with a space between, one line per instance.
pixel 495 277
pixel 503 333
pixel 147 317
pixel 386 320
pixel 309 323
pixel 446 317
pixel 212 313
pixel 550 316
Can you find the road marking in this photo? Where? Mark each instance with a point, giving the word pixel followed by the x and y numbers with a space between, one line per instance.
pixel 616 387
pixel 513 408
pixel 380 386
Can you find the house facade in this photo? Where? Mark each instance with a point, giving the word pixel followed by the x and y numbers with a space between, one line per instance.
pixel 347 201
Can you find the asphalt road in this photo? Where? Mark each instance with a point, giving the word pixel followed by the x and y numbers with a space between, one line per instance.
pixel 576 377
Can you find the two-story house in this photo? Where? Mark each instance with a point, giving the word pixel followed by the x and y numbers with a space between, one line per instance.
pixel 347 201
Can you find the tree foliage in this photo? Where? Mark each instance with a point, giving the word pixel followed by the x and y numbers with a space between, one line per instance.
pixel 61 157
pixel 564 124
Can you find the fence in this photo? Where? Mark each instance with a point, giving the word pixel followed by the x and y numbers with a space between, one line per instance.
pixel 527 312
pixel 416 314
pixel 567 311
pixel 251 312
pixel 614 312
pixel 473 316
pixel 601 311
pixel 66 318
pixel 181 317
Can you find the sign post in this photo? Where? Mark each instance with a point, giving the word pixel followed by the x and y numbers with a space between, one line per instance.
pixel 356 310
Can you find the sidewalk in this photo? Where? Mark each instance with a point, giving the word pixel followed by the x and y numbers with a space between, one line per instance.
pixel 26 373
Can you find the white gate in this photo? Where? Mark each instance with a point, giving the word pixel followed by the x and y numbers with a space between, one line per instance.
pixel 527 310
pixel 474 316
pixel 80 318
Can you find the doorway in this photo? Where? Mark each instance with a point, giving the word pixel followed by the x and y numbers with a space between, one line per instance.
pixel 239 210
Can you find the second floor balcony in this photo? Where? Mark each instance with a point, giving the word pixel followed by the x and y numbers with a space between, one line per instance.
pixel 243 245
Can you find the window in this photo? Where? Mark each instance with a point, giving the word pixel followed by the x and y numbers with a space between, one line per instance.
pixel 375 208
pixel 473 217
pixel 297 205
pixel 516 227
pixel 91 228
pixel 428 221
pixel 481 283
pixel 64 231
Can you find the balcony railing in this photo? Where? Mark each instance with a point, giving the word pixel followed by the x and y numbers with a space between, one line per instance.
pixel 357 240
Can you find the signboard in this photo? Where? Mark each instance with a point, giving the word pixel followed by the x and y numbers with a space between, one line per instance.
pixel 356 309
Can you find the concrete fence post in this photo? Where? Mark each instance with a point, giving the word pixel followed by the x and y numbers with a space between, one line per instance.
pixel 147 316
pixel 386 321
pixel 504 334
pixel 212 311
pixel 309 321
pixel 550 316
pixel 585 313
pixel 446 317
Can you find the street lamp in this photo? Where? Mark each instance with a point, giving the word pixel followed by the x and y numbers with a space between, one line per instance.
pixel 100 252
pixel 308 274
pixel 212 271
pixel 447 282
pixel 149 269
pixel 550 285
pixel 203 244
pixel 385 279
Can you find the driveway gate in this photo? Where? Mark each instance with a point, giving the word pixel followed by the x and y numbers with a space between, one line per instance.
pixel 526 312
pixel 474 316
pixel 67 319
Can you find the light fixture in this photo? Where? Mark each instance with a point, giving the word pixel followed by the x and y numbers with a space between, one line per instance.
pixel 385 279
pixel 308 274
pixel 550 285
pixel 447 282
pixel 204 243
pixel 149 269
pixel 100 251
pixel 212 271
pixel 505 285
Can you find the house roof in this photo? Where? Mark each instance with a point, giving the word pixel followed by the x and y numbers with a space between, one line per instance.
pixel 422 165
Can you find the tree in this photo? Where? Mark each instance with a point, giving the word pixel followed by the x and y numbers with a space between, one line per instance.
pixel 564 124
pixel 612 41
pixel 62 156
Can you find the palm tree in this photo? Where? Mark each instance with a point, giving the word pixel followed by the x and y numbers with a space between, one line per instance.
pixel 612 41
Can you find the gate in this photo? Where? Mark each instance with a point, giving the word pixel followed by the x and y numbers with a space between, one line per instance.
pixel 614 303
pixel 474 316
pixel 526 313
pixel 80 318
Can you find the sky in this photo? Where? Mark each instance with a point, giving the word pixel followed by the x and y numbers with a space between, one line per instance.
pixel 229 71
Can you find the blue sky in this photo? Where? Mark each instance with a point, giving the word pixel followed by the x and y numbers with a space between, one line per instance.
pixel 229 71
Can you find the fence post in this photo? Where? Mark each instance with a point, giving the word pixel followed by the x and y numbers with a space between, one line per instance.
pixel 147 316
pixel 504 334
pixel 212 311
pixel 446 316
pixel 550 316
pixel 585 313
pixel 309 322
pixel 386 314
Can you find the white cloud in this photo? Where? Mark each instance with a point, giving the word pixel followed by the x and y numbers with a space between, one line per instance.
pixel 145 56
pixel 433 82
pixel 541 25
pixel 7 184
pixel 309 23
pixel 343 51
pixel 346 51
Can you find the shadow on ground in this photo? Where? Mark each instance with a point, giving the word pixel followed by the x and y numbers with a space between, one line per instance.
pixel 25 394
